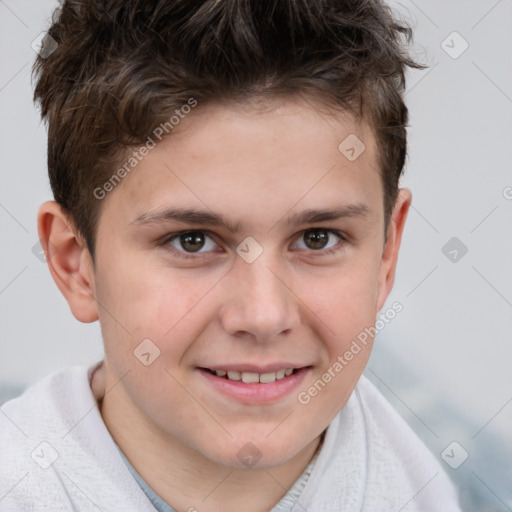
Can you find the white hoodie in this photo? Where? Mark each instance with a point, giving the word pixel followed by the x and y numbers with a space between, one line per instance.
pixel 56 454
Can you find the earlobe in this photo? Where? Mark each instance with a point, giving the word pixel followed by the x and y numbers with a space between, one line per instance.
pixel 69 260
pixel 392 245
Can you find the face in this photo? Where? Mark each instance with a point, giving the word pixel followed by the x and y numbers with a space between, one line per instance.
pixel 246 243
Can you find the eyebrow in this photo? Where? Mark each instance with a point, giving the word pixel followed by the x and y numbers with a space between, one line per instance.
pixel 204 217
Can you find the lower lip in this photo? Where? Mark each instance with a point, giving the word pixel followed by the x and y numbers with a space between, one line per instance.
pixel 255 393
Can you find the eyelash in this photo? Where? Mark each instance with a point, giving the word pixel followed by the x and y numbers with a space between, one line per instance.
pixel 196 256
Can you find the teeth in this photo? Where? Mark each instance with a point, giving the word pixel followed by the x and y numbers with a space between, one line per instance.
pixel 253 378
pixel 266 378
pixel 250 378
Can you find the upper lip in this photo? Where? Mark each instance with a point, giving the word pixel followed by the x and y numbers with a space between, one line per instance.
pixel 251 368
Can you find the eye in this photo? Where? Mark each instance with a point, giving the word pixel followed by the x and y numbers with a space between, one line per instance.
pixel 192 242
pixel 318 239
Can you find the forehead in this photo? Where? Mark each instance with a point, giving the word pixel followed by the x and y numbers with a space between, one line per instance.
pixel 256 160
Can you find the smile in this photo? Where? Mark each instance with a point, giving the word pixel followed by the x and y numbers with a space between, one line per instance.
pixel 253 377
pixel 248 386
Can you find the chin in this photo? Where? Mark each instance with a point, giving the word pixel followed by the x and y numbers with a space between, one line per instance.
pixel 254 453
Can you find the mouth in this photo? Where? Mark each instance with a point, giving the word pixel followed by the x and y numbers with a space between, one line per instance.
pixel 249 384
pixel 253 377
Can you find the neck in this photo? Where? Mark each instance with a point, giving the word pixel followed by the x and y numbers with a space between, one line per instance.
pixel 187 480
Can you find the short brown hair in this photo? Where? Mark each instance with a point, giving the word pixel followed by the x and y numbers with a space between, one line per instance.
pixel 124 66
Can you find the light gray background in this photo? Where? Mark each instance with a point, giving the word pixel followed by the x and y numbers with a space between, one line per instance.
pixel 445 361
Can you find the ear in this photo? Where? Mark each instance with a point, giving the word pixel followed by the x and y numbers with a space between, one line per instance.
pixel 69 260
pixel 392 245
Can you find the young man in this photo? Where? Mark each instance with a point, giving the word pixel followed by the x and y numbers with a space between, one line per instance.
pixel 227 206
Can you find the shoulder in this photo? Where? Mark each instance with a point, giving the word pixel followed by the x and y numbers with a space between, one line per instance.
pixel 57 453
pixel 43 406
pixel 29 425
pixel 398 463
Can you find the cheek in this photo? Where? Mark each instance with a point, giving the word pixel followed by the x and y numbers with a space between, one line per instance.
pixel 157 303
pixel 166 308
pixel 344 301
pixel 345 308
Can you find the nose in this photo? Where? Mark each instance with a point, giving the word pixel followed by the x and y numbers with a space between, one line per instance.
pixel 258 303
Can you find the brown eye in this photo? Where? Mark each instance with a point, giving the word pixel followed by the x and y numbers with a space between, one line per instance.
pixel 319 239
pixel 192 242
pixel 316 238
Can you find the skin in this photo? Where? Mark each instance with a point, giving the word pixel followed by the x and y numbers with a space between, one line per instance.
pixel 257 167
